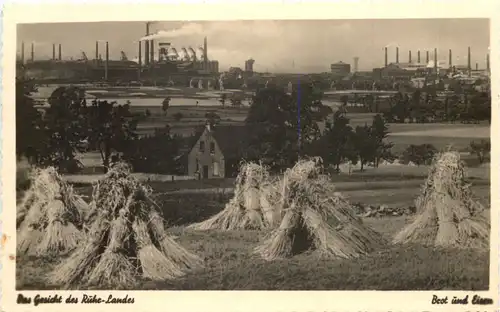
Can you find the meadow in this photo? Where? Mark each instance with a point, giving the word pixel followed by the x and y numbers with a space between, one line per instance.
pixel 231 265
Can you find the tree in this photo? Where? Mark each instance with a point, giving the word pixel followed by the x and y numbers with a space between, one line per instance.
pixel 481 149
pixel 364 145
pixel 165 105
pixel 65 126
pixel 154 154
pixel 338 142
pixel 212 118
pixel 282 125
pixel 419 154
pixel 379 133
pixel 222 99
pixel 178 116
pixel 111 127
pixel 30 134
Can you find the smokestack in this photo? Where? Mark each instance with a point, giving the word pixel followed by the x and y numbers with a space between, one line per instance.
pixel 60 54
pixel 97 50
pixel 146 46
pixel 487 62
pixel 356 61
pixel 140 54
pixel 32 52
pixel 106 62
pixel 418 56
pixel 468 60
pixel 140 62
pixel 450 62
pixel 53 51
pixel 397 55
pixel 435 59
pixel 385 63
pixel 409 56
pixel 152 58
pixel 427 57
pixel 22 52
pixel 205 53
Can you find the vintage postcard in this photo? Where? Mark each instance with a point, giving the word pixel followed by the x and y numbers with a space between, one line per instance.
pixel 276 159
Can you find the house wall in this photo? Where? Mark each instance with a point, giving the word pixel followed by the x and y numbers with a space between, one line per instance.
pixel 206 158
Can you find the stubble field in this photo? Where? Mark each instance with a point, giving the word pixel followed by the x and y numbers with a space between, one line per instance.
pixel 231 265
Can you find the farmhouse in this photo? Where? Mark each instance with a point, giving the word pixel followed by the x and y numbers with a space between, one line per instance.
pixel 216 152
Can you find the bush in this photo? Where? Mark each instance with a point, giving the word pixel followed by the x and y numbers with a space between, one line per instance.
pixel 418 154
pixel 178 116
pixel 481 149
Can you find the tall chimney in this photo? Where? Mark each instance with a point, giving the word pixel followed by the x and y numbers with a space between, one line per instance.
pixel 468 60
pixel 146 46
pixel 418 56
pixel 385 63
pixel 97 50
pixel 152 58
pixel 488 62
pixel 53 51
pixel 32 52
pixel 450 62
pixel 435 59
pixel 477 66
pixel 427 57
pixel 397 55
pixel 22 52
pixel 60 52
pixel 106 62
pixel 140 54
pixel 140 61
pixel 205 54
pixel 409 56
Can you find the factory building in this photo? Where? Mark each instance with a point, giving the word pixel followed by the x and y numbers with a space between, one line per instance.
pixel 249 65
pixel 340 69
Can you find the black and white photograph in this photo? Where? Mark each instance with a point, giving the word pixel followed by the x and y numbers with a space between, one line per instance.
pixel 332 154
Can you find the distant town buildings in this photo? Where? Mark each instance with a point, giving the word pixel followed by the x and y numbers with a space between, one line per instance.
pixel 340 69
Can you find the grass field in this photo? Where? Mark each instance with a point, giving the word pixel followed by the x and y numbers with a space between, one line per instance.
pixel 231 264
pixel 402 135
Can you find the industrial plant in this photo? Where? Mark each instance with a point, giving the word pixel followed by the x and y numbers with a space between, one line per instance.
pixel 157 61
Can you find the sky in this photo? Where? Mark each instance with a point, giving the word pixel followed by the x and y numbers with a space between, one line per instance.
pixel 291 46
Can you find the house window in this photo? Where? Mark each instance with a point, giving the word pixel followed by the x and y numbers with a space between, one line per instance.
pixel 212 148
pixel 202 146
pixel 216 169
